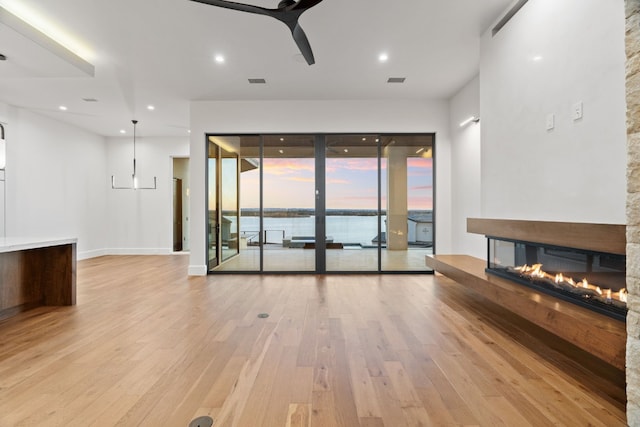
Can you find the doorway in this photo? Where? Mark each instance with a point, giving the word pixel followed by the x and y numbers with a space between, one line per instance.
pixel 177 215
pixel 325 203
pixel 180 204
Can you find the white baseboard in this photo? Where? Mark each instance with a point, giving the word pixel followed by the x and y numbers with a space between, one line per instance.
pixel 197 270
pixel 139 251
pixel 91 254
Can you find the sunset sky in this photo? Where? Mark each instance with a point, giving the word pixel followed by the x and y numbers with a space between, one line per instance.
pixel 351 183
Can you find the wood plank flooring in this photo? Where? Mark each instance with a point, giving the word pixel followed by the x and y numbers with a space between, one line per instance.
pixel 148 346
pixel 279 259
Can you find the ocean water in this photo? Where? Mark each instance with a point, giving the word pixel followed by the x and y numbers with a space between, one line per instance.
pixel 344 229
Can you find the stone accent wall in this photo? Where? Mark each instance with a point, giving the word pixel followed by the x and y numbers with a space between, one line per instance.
pixel 633 209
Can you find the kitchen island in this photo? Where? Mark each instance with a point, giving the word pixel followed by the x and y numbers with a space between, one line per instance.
pixel 36 272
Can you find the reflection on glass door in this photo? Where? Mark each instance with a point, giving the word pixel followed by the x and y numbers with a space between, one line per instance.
pixel 352 210
pixel 223 195
pixel 213 227
pixel 229 239
pixel 288 166
pixel 407 198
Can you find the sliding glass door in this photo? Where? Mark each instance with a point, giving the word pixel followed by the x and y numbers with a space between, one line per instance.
pixel 321 203
pixel 289 203
pixel 352 202
pixel 222 207
pixel 407 200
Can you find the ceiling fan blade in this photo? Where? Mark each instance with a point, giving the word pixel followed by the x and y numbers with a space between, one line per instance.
pixel 305 4
pixel 303 44
pixel 239 6
pixel 288 12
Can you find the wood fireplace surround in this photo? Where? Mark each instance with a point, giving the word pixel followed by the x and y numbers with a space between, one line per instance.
pixel 598 334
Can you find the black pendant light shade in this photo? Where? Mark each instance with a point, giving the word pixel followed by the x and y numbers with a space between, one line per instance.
pixel 134 178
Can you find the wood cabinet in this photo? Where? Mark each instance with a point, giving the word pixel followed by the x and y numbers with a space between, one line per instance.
pixel 36 273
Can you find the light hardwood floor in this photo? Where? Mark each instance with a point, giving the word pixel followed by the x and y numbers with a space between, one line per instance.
pixel 148 346
pixel 277 258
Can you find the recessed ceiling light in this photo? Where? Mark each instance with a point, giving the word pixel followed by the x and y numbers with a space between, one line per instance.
pixel 346 150
pixel 188 130
pixel 62 108
pixel 281 139
pixel 537 58
pixel 281 151
pixel 219 59
pixel 123 131
pixel 150 107
pixel 364 139
pixel 383 57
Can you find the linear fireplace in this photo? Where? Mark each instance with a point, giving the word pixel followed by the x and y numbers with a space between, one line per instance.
pixel 592 279
pixel 537 270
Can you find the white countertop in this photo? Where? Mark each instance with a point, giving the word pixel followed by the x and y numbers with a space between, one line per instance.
pixel 12 244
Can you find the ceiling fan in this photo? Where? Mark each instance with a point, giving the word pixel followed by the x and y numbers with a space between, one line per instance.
pixel 288 12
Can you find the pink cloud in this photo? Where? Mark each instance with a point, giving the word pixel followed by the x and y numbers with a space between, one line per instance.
pixel 419 162
pixel 300 179
pixel 337 181
pixel 352 164
pixel 287 166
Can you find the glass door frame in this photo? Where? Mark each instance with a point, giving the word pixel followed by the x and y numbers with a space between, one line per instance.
pixel 320 202
pixel 214 261
pixel 219 231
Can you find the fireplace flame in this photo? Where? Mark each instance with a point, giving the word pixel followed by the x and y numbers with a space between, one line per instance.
pixel 622 295
pixel 589 290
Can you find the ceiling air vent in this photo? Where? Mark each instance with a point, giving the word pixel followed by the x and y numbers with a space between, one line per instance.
pixel 89 100
pixel 257 81
pixel 396 79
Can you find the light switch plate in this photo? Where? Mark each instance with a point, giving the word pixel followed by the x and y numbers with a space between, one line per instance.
pixel 576 111
pixel 551 121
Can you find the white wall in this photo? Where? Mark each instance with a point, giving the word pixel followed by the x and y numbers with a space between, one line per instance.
pixel 311 117
pixel 58 185
pixel 575 172
pixel 55 181
pixel 140 221
pixel 466 168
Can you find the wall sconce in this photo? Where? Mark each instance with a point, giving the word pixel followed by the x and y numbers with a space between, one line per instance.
pixel 473 119
pixel 134 177
pixel 3 149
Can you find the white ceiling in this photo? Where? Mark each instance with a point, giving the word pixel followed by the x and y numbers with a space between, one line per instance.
pixel 161 52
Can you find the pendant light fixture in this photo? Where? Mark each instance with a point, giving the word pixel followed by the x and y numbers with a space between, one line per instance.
pixel 134 177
